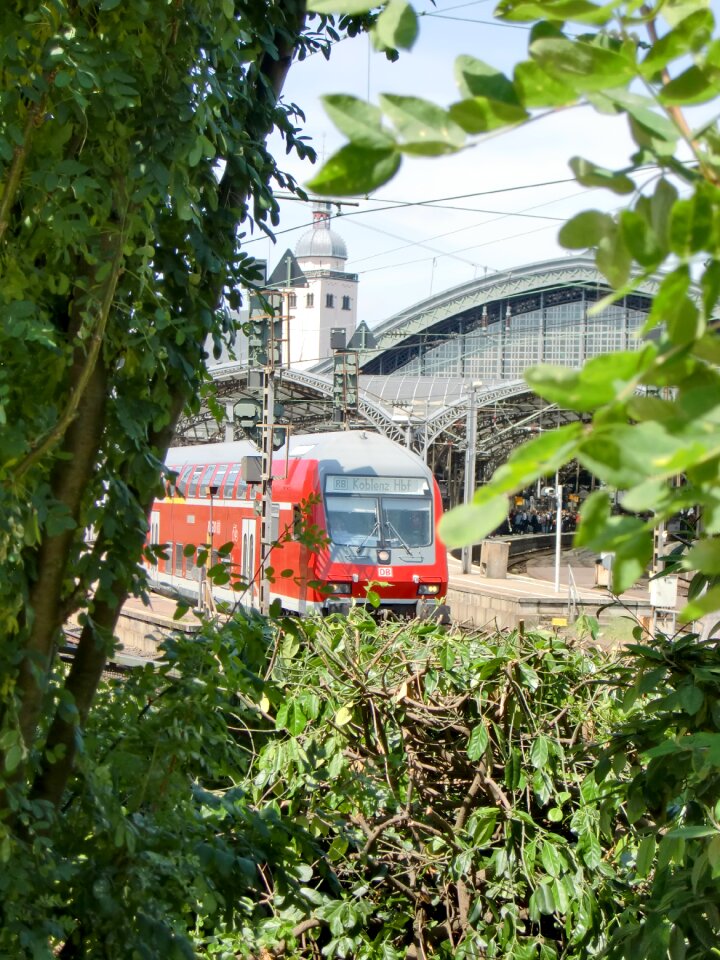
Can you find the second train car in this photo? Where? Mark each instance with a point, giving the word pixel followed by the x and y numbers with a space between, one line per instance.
pixel 376 502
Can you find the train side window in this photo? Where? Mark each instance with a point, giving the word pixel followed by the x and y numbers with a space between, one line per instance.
pixel 177 569
pixel 230 481
pixel 220 477
pixel 194 481
pixel 202 490
pixel 182 482
pixel 241 492
pixel 297 522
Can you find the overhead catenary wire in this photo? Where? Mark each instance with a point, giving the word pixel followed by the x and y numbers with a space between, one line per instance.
pixel 400 204
pixel 473 226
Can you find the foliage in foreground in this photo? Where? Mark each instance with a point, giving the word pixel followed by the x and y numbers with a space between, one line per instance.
pixel 447 780
pixel 381 792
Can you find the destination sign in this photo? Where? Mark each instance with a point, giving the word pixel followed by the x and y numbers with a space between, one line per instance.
pixel 396 486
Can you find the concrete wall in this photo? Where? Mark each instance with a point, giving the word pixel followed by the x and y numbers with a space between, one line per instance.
pixel 144 631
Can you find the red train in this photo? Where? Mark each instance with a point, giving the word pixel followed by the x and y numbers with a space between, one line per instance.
pixel 376 501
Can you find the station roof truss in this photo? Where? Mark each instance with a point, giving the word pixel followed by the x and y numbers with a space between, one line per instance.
pixel 426 409
pixel 459 311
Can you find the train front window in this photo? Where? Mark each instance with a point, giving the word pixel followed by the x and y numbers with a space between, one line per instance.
pixel 407 521
pixel 353 521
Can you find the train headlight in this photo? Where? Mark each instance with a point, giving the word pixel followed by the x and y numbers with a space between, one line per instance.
pixel 338 588
pixel 383 556
pixel 428 589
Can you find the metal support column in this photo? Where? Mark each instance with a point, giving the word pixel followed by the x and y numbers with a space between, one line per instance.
pixel 266 486
pixel 229 422
pixel 470 458
pixel 558 530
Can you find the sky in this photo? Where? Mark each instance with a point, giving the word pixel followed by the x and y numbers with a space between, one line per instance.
pixel 495 205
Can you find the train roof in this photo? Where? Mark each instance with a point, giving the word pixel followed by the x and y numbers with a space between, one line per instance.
pixel 356 451
pixel 231 452
pixel 340 451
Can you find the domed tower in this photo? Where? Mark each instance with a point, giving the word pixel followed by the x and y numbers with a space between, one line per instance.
pixel 325 296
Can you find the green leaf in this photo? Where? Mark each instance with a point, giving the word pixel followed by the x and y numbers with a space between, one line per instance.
pixel 446 655
pixel 649 128
pixel 13 757
pixel 539 752
pixel 528 677
pixel 426 129
pixel 361 122
pixel 478 79
pixel 342 717
pixel 693 86
pixel 625 456
pixel 478 115
pixel 688 36
pixel 477 742
pixel 646 496
pixel 631 560
pixel 639 238
pixel 661 205
pixel 581 64
pixel 585 229
pixel 602 380
pixel 291 717
pixel 346 7
pixel 544 900
pixel 594 516
pixel 551 859
pixel 470 523
pixel 668 302
pixel 591 175
pixel 691 698
pixel 678 10
pixel 490 99
pixel 613 258
pixel 710 283
pixel 356 170
pixel 645 856
pixel 536 88
pixel 704 556
pixel 559 10
pixel 397 26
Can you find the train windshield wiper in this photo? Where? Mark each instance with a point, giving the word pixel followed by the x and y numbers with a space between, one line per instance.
pixel 375 532
pixel 394 531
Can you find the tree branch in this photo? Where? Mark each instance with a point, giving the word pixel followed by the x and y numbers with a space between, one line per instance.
pixel 17 163
pixel 82 380
pixel 92 652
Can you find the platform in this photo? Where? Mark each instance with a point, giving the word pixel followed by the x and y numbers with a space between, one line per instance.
pixel 479 601
pixel 475 601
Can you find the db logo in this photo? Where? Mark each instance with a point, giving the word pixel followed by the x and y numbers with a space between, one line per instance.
pixel 235 534
pixel 385 572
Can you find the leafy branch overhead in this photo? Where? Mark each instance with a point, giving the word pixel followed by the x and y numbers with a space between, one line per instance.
pixel 651 421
